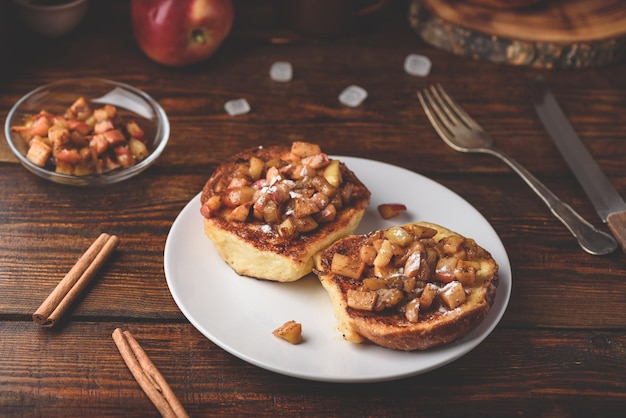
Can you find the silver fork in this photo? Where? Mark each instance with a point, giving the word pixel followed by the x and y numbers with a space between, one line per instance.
pixel 462 133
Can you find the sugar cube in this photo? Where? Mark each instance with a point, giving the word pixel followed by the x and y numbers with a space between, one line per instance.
pixel 281 71
pixel 353 96
pixel 237 107
pixel 418 65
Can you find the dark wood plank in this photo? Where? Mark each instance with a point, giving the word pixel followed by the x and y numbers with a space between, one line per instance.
pixel 535 373
pixel 558 351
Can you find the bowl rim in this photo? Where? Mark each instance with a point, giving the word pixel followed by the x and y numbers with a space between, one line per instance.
pixel 69 4
pixel 162 135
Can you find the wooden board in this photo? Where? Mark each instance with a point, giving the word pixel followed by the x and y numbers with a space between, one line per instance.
pixel 560 34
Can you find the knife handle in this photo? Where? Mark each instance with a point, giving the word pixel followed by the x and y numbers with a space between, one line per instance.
pixel 617 225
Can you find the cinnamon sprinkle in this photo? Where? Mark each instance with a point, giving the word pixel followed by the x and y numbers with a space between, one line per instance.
pixel 75 281
pixel 148 376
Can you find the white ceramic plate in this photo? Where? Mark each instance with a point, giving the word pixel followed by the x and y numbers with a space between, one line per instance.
pixel 239 313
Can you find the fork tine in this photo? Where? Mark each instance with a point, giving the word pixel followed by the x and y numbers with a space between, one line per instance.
pixel 434 114
pixel 453 106
pixel 442 104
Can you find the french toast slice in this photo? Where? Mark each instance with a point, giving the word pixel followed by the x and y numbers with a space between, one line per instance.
pixel 268 210
pixel 409 287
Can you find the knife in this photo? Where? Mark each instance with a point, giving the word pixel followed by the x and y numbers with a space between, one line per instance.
pixel 608 203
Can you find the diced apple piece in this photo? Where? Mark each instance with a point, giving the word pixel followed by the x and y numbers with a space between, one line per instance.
pixel 444 272
pixel 64 168
pixel 321 200
pixel 398 235
pixel 80 110
pixel 134 130
pixel 100 115
pixel 385 252
pixel 347 266
pixel 256 168
pixel 271 212
pixel 211 207
pixel 362 300
pixel 103 126
pixel 240 213
pixel 452 245
pixel 465 272
pixel 40 126
pixel 301 171
pixel 59 135
pixel 409 284
pixel 316 161
pixel 99 143
pixel 79 140
pixel 328 214
pixel 412 311
pixel 421 232
pixel 373 283
pixel 346 192
pixel 70 156
pixel 303 207
pixel 238 196
pixel 114 137
pixel 272 175
pixel 332 173
pixel 388 298
pixel 304 149
pixel 39 152
pixel 453 294
pixel 287 228
pixel 138 149
pixel 305 224
pixel 84 168
pixel 237 182
pixel 368 254
pixel 110 164
pixel 323 186
pixel 124 157
pixel 290 331
pixel 428 296
pixel 413 264
pixel 214 202
pixel 391 210
pixel 386 270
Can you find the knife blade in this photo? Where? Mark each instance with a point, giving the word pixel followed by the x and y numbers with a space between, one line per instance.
pixel 606 200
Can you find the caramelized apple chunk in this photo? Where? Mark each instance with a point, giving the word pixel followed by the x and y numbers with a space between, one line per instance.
pixel 290 331
pixel 391 210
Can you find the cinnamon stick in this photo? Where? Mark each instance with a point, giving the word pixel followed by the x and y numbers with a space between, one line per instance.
pixel 148 376
pixel 75 281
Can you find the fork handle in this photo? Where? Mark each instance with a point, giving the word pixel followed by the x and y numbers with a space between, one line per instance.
pixel 592 240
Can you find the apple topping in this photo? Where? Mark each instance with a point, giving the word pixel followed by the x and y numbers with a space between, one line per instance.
pixel 290 331
pixel 294 194
pixel 403 268
pixel 83 141
pixel 391 210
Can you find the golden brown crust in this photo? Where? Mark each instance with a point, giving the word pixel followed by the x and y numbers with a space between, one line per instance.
pixel 255 248
pixel 390 328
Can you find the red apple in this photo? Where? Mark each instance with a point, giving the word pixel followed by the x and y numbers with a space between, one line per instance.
pixel 181 32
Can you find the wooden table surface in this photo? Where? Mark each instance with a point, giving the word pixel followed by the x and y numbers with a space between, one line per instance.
pixel 559 350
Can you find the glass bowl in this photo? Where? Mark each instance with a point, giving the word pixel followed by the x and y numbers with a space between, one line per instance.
pixel 56 97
